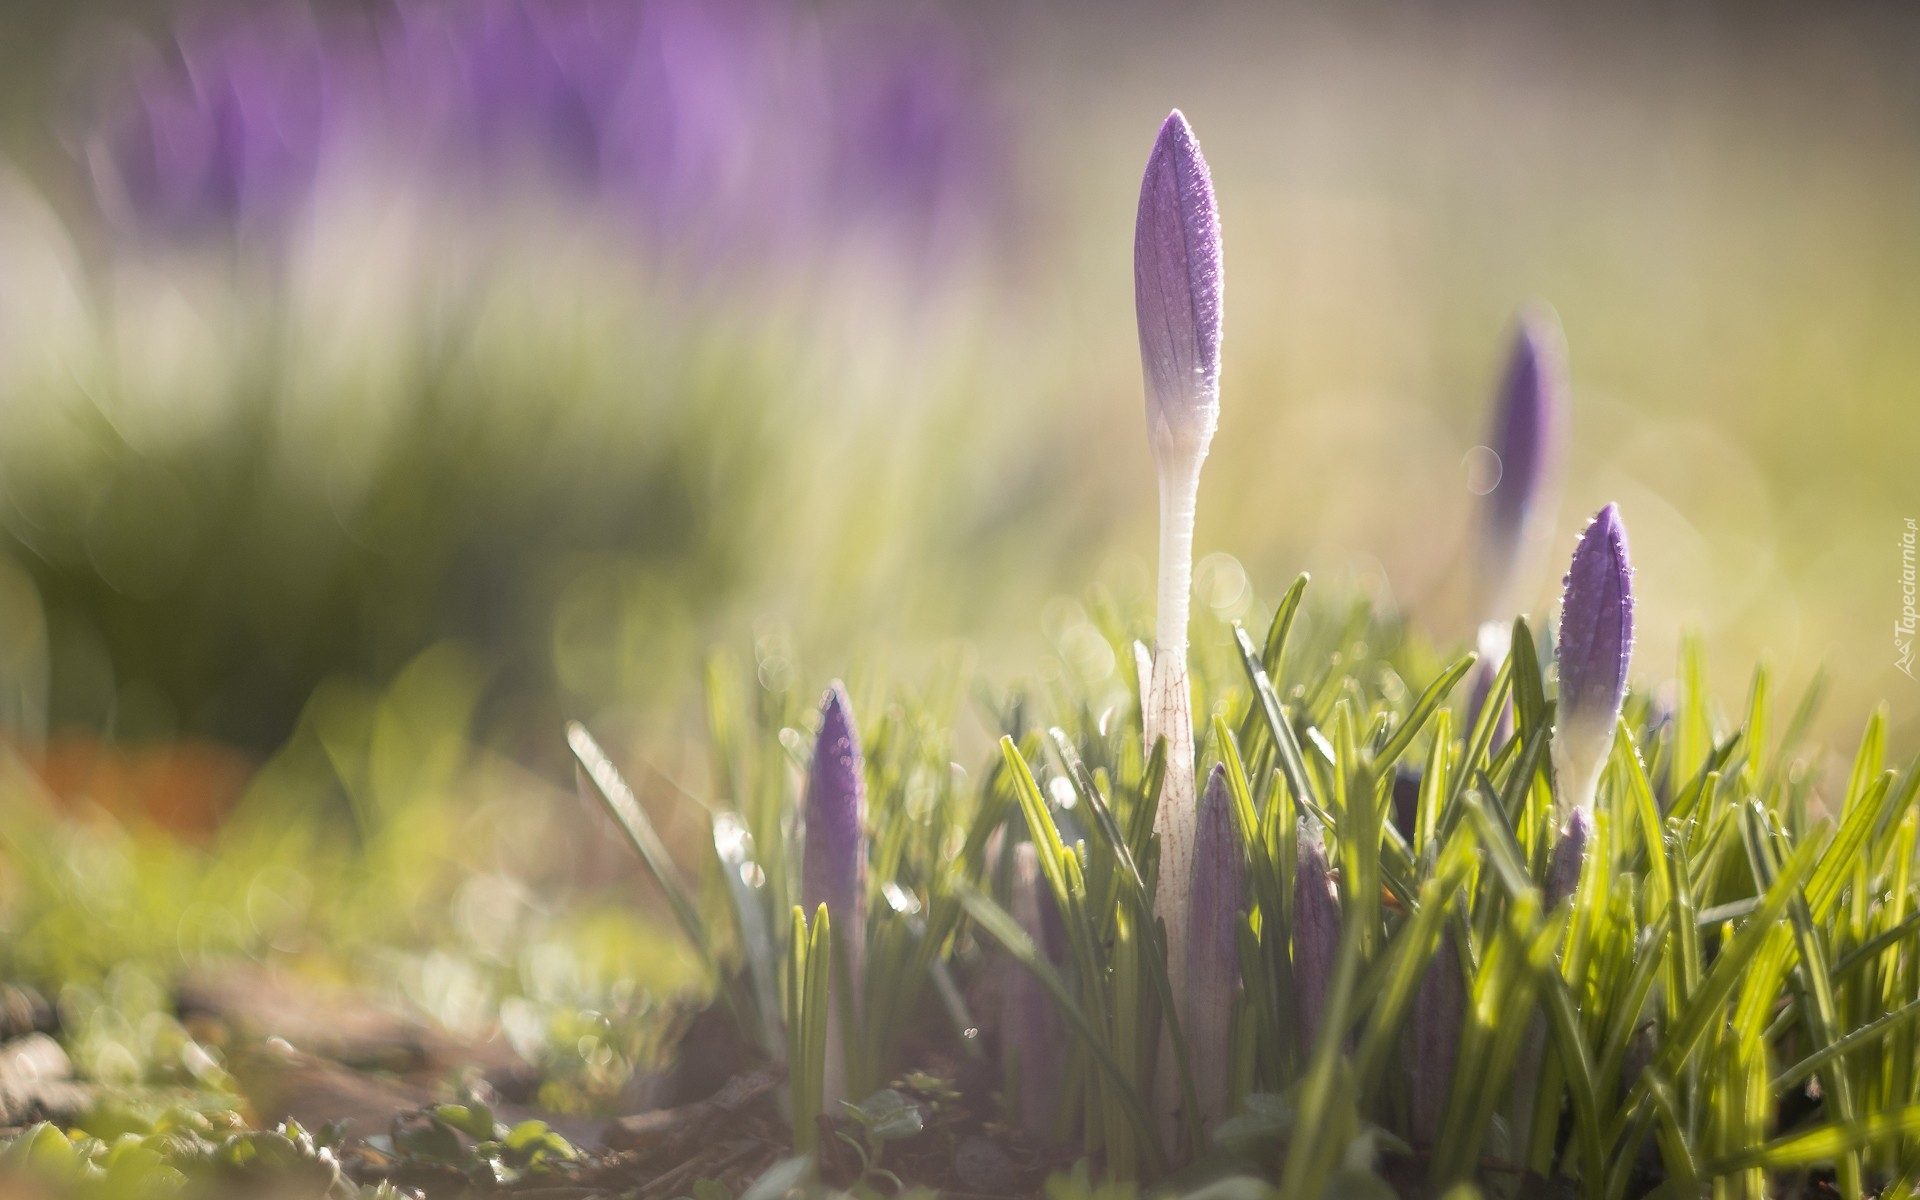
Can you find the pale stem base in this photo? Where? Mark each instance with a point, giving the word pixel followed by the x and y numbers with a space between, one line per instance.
pixel 1579 759
pixel 1169 714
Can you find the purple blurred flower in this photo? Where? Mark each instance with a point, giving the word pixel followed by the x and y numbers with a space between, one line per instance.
pixel 506 81
pixel 1528 437
pixel 646 103
pixel 739 126
pixel 734 127
pixel 1596 641
pixel 1176 291
pixel 834 868
pixel 229 136
pixel 1030 1028
pixel 1213 947
pixel 1439 1008
pixel 1568 858
pixel 1480 687
pixel 1316 934
pixel 917 139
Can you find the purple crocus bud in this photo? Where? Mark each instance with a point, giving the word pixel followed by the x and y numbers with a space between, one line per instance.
pixel 1030 1030
pixel 1596 641
pixel 1176 292
pixel 1526 444
pixel 834 871
pixel 1316 934
pixel 1439 1008
pixel 1568 857
pixel 834 866
pixel 1213 948
pixel 1176 286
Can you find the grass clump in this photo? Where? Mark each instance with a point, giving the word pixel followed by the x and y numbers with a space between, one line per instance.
pixel 1721 994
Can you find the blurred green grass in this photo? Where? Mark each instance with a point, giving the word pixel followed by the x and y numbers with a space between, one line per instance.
pixel 1719 209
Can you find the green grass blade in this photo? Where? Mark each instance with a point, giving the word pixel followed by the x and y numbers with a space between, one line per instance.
pixel 1823 1143
pixel 1709 1002
pixel 1423 708
pixel 1292 761
pixel 1842 853
pixel 1282 625
pixel 1858 1039
pixel 624 807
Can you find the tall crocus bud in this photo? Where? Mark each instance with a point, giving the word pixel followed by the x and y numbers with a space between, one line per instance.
pixel 1596 641
pixel 1439 1009
pixel 1176 286
pixel 1176 294
pixel 1527 442
pixel 1029 1026
pixel 834 868
pixel 1568 857
pixel 1316 934
pixel 1213 947
pixel 1521 468
pixel 1176 297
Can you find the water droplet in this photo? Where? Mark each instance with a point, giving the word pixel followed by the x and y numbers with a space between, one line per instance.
pixel 1483 469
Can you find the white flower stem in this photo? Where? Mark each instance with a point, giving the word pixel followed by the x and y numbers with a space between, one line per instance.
pixel 1169 714
pixel 1179 495
pixel 1169 707
pixel 1579 759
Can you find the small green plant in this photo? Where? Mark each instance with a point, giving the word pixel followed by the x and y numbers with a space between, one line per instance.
pixel 886 1116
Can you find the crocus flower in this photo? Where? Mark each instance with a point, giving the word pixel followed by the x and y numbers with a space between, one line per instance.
pixel 1029 1025
pixel 1438 1011
pixel 1527 442
pixel 1596 641
pixel 1316 934
pixel 1213 947
pixel 834 865
pixel 1527 439
pixel 1176 281
pixel 1568 857
pixel 1176 296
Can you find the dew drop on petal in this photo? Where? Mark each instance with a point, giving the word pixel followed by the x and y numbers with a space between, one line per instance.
pixel 1483 470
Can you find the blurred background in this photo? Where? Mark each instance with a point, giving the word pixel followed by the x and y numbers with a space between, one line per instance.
pixel 384 383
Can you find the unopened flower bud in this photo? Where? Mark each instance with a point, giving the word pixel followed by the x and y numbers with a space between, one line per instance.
pixel 1596 642
pixel 1316 935
pixel 1213 947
